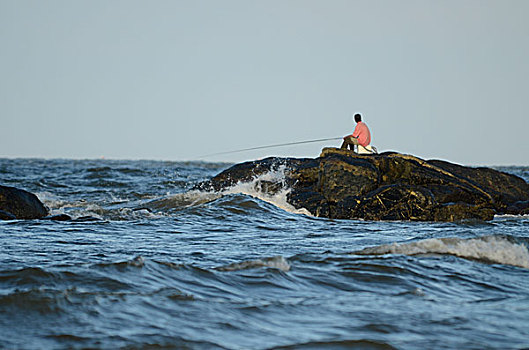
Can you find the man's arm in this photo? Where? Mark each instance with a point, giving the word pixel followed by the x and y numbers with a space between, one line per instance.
pixel 356 132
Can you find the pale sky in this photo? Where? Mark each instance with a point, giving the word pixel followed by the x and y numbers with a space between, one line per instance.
pixel 174 80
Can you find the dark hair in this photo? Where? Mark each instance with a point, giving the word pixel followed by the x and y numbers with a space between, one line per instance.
pixel 358 118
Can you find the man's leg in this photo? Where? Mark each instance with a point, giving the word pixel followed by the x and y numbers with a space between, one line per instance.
pixel 349 141
pixel 354 142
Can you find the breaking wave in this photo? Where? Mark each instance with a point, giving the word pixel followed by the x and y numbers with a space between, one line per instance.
pixel 113 209
pixel 491 249
pixel 254 188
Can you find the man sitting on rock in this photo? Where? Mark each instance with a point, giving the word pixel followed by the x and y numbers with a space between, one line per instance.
pixel 360 136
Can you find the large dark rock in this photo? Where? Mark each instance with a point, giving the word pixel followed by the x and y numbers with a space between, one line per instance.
pixel 388 186
pixel 20 204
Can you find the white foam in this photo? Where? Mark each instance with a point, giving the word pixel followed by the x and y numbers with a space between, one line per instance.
pixel 276 262
pixel 51 200
pixel 511 216
pixel 75 209
pixel 489 248
pixel 81 208
pixel 279 199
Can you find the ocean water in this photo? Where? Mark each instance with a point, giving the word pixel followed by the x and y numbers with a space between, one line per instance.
pixel 147 263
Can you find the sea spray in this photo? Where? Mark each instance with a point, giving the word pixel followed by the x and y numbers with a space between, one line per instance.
pixel 270 187
pixel 255 188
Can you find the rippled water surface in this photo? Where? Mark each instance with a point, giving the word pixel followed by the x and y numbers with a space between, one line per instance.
pixel 148 263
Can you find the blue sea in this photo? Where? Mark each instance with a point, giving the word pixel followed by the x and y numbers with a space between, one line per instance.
pixel 149 263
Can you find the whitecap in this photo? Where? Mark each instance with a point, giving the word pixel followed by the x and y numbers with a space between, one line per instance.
pixel 494 249
pixel 276 262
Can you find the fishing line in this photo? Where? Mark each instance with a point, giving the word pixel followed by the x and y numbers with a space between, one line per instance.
pixel 270 146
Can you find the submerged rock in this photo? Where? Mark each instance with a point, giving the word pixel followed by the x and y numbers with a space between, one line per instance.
pixel 388 186
pixel 4 215
pixel 20 204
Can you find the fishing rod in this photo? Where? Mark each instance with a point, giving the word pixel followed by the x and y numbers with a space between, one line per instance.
pixel 270 146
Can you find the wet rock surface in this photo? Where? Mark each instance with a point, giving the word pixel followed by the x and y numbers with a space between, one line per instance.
pixel 389 186
pixel 19 204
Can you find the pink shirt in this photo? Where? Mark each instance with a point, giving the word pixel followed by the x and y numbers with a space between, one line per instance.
pixel 362 133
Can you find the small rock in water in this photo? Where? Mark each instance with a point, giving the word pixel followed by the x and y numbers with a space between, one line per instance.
pixel 86 219
pixel 59 217
pixel 21 204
